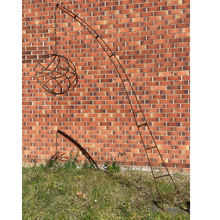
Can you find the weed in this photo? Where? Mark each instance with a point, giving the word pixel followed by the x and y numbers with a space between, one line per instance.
pixel 71 163
pixel 114 168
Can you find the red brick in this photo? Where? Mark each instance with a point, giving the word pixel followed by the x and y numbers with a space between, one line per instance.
pixel 183 165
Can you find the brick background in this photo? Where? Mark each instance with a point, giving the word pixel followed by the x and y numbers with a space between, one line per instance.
pixel 151 40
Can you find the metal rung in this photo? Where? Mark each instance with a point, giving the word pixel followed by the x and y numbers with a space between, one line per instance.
pixel 137 112
pixel 151 148
pixel 124 80
pixel 162 176
pixel 142 124
pixel 97 36
pixel 170 194
pixel 111 55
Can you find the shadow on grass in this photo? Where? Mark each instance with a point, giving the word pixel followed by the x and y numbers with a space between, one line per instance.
pixel 188 207
pixel 157 203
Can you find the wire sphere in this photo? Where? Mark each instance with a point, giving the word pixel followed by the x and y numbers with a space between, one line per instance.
pixel 56 74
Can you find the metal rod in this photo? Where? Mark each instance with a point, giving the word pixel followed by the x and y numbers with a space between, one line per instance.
pixel 162 176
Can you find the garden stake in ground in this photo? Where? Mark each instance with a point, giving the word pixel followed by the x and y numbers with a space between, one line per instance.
pixel 57 75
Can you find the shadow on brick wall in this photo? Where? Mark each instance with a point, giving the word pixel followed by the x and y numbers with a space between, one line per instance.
pixel 85 153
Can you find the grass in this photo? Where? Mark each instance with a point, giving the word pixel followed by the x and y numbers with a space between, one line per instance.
pixel 57 191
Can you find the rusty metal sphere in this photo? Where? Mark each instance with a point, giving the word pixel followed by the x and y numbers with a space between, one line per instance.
pixel 56 74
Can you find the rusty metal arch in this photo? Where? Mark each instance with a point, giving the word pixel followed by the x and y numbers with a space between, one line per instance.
pixel 133 101
pixel 123 76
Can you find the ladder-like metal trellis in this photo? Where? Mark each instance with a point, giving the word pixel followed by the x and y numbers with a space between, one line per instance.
pixel 137 111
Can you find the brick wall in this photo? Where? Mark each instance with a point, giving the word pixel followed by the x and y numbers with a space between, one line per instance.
pixel 151 40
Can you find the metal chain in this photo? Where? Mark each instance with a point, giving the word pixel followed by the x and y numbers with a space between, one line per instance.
pixel 55 30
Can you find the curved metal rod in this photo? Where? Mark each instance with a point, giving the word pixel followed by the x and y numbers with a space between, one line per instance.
pixel 47 55
pixel 110 54
pixel 97 36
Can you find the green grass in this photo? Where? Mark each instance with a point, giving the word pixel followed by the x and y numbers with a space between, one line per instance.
pixel 49 192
